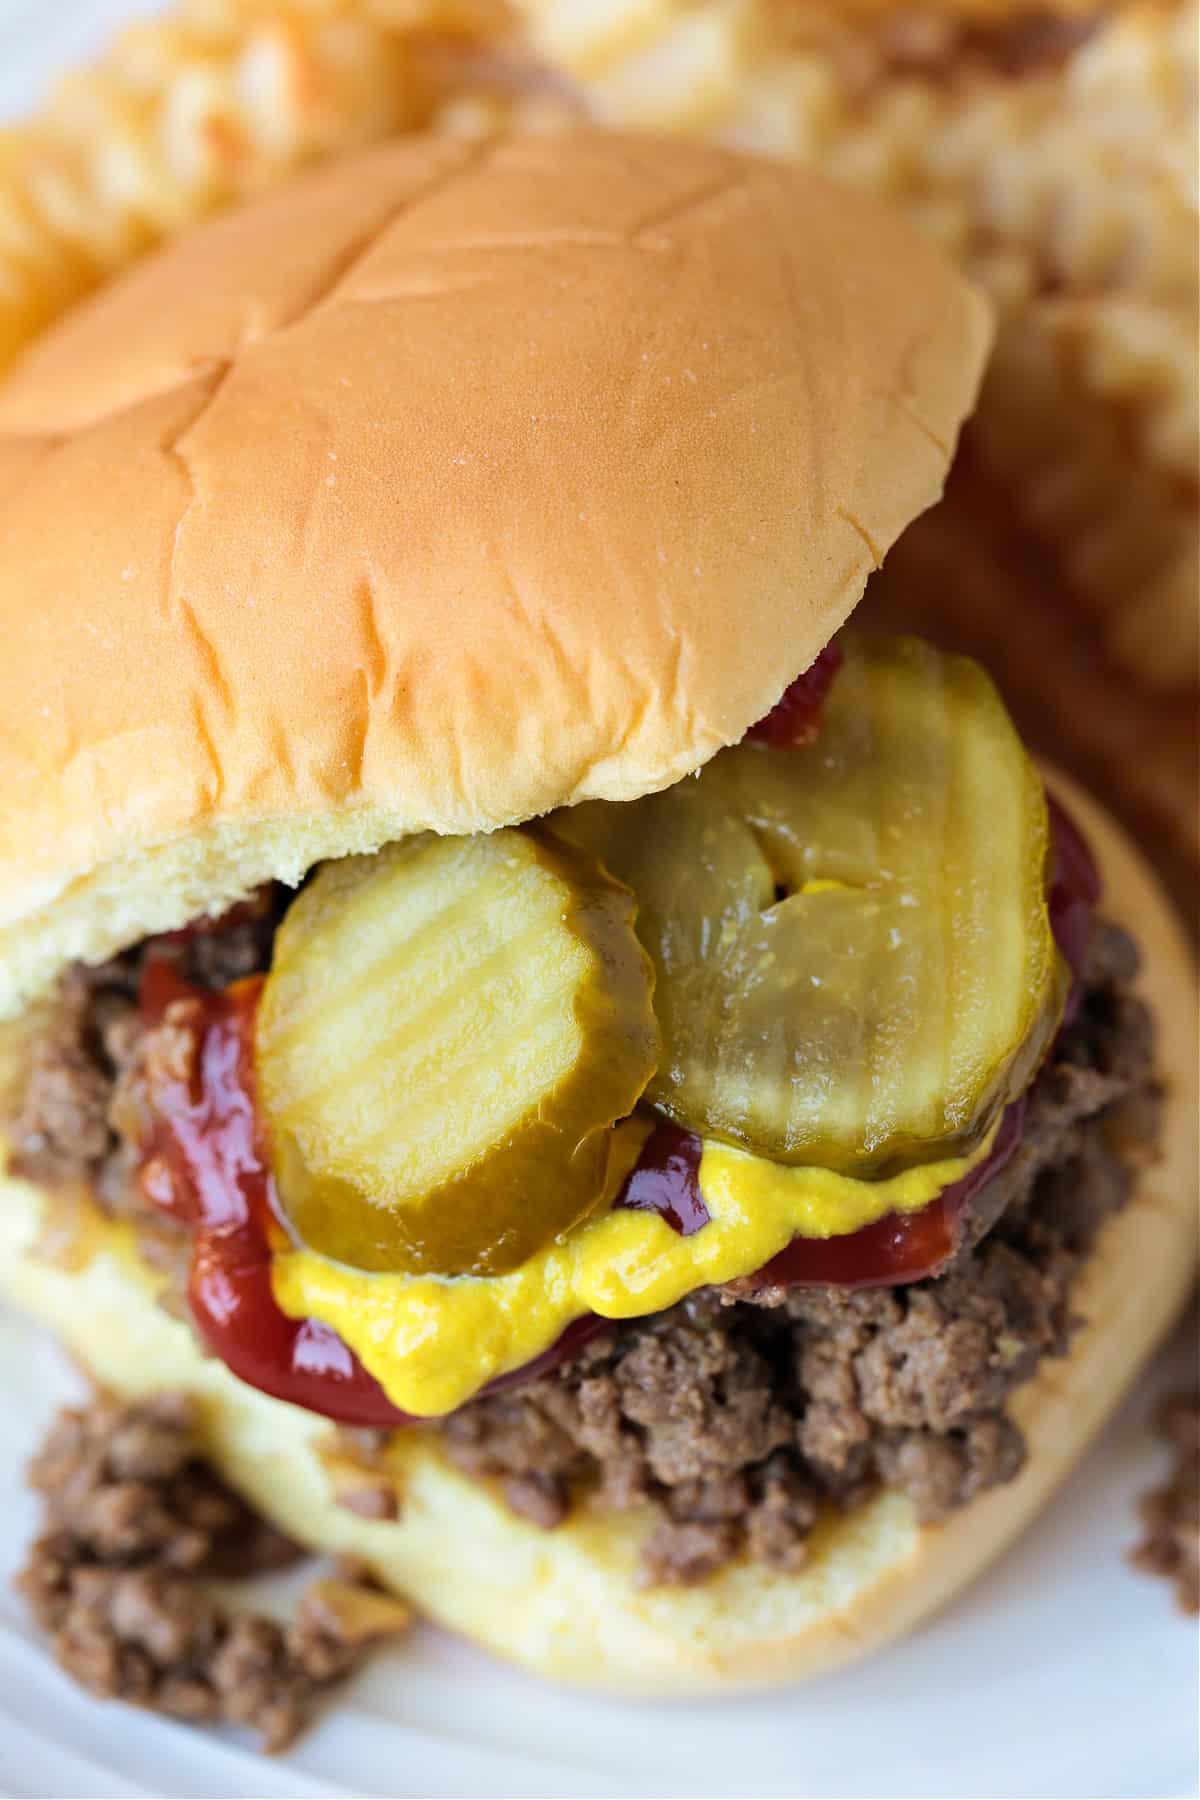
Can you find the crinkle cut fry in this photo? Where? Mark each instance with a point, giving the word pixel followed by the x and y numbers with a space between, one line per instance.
pixel 184 114
pixel 1056 162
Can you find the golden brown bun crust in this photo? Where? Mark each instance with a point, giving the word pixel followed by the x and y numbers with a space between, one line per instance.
pixel 451 484
pixel 564 1603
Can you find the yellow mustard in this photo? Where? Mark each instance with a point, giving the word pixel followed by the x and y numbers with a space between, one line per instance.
pixel 432 1342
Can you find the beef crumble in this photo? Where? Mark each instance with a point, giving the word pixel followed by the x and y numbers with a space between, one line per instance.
pixel 743 1412
pixel 137 1523
pixel 1171 1513
pixel 78 1117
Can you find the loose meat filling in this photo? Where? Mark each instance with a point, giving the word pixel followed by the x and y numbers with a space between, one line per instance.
pixel 137 1524
pixel 743 1412
pixel 79 1113
pixel 1171 1513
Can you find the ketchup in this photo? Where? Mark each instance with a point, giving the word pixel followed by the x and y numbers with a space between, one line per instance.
pixel 898 1247
pixel 666 1180
pixel 795 718
pixel 207 1166
pixel 1074 888
pixel 901 1246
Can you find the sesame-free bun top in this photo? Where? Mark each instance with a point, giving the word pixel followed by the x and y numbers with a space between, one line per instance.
pixel 450 484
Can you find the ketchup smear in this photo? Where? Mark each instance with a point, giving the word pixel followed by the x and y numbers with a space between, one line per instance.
pixel 206 1165
pixel 795 718
pixel 898 1247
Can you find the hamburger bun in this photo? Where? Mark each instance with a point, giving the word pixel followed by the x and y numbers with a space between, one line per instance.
pixel 452 484
pixel 564 1603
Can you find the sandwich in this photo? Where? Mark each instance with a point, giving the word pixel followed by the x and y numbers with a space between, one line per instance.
pixel 632 1107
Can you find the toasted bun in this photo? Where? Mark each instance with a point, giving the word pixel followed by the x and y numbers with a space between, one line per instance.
pixel 564 1603
pixel 449 485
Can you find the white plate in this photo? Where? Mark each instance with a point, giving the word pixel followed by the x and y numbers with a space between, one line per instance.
pixel 39 39
pixel 1062 1673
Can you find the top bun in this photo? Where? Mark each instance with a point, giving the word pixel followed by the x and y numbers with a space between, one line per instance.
pixel 451 484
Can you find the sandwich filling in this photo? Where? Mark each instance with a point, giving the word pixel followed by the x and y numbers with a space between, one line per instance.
pixel 849 1079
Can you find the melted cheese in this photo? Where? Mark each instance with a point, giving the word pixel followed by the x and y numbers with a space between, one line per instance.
pixel 433 1342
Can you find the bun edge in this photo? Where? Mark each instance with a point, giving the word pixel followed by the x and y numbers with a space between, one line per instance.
pixel 563 1604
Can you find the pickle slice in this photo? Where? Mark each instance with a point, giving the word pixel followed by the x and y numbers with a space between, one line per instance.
pixel 854 956
pixel 449 1030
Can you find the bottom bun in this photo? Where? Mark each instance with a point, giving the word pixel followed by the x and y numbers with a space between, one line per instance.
pixel 565 1603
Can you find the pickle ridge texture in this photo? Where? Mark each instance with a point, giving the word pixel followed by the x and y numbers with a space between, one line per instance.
pixel 934 985
pixel 559 1074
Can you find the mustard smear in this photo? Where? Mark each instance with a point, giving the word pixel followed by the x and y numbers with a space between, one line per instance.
pixel 433 1342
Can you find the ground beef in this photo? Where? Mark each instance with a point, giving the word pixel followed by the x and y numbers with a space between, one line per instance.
pixel 78 1114
pixel 136 1524
pixel 1171 1514
pixel 743 1412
